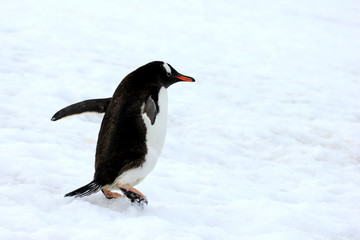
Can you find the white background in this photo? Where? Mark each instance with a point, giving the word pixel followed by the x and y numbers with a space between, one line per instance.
pixel 264 145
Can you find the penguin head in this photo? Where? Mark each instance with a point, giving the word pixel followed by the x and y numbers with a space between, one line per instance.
pixel 170 76
pixel 164 74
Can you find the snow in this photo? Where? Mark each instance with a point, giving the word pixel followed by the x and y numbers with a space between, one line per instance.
pixel 264 145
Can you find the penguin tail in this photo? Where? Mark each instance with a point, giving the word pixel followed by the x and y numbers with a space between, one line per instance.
pixel 86 190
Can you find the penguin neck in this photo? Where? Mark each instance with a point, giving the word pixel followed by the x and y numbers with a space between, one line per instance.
pixel 162 101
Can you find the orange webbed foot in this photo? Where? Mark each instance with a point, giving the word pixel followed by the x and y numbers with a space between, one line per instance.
pixel 109 194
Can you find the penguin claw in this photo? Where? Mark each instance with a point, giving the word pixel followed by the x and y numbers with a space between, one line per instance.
pixel 136 199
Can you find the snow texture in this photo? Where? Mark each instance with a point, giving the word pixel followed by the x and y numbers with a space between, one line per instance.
pixel 264 145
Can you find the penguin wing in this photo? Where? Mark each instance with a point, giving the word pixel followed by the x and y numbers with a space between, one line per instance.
pixel 92 105
pixel 150 109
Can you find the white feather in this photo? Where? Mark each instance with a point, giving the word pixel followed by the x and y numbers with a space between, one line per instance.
pixel 167 68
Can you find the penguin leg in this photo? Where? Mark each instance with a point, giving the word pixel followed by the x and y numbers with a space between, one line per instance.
pixel 109 194
pixel 133 194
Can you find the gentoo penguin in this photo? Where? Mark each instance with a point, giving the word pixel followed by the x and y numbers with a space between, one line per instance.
pixel 132 132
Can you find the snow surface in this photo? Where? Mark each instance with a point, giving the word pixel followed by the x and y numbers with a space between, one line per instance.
pixel 264 145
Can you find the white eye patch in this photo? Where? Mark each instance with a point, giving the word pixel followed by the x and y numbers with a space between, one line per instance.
pixel 167 68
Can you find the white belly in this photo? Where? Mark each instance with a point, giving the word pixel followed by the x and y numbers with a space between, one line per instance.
pixel 155 138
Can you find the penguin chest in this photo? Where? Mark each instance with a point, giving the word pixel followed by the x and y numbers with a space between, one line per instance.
pixel 156 131
pixel 155 138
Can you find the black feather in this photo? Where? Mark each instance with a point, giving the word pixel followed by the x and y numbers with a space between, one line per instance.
pixel 92 105
pixel 86 190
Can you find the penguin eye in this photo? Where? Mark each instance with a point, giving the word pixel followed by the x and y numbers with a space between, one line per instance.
pixel 168 74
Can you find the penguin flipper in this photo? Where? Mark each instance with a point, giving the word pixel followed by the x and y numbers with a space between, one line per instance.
pixel 92 105
pixel 150 109
pixel 86 190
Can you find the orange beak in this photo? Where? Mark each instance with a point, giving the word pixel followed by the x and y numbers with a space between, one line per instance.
pixel 185 78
